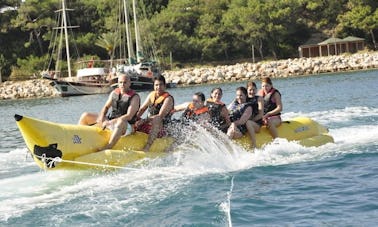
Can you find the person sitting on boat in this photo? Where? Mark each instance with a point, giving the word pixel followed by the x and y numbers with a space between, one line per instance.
pixel 218 110
pixel 124 102
pixel 240 112
pixel 272 106
pixel 257 103
pixel 160 106
pixel 196 111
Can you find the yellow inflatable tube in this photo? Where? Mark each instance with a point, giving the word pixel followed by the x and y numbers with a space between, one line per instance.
pixel 68 146
pixel 302 129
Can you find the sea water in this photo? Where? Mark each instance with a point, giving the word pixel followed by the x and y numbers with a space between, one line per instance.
pixel 210 181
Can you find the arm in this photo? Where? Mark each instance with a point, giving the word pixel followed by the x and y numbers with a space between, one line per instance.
pixel 278 109
pixel 144 107
pixel 166 108
pixel 244 118
pixel 181 107
pixel 102 116
pixel 260 104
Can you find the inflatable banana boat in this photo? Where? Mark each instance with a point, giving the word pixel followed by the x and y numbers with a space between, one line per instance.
pixel 69 146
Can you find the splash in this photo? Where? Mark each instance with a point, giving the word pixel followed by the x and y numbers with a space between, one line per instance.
pixel 24 187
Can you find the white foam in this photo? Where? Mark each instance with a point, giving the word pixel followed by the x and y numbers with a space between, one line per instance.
pixel 337 115
pixel 203 153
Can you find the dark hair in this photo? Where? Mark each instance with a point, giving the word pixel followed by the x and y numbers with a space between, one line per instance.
pixel 242 89
pixel 200 95
pixel 266 80
pixel 216 88
pixel 251 84
pixel 159 78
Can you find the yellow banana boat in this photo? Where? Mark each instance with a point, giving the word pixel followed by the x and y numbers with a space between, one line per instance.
pixel 69 146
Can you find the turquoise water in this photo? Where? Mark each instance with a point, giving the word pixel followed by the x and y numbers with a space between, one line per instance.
pixel 214 182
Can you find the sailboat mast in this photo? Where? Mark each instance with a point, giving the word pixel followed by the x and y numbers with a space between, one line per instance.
pixel 138 50
pixel 128 39
pixel 66 37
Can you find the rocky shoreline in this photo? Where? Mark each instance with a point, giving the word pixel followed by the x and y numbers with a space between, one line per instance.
pixel 38 88
pixel 274 69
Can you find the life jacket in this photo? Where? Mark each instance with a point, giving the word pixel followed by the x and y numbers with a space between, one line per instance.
pixel 237 110
pixel 255 105
pixel 215 110
pixel 121 103
pixel 157 103
pixel 269 104
pixel 191 114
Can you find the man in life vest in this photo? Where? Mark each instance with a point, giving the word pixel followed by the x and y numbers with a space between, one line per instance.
pixel 240 112
pixel 196 111
pixel 218 110
pixel 160 105
pixel 257 103
pixel 124 103
pixel 272 106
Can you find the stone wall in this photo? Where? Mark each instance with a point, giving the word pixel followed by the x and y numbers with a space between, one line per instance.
pixel 243 71
pixel 35 88
pixel 274 69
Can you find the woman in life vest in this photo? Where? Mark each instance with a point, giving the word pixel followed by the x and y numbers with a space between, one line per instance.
pixel 272 106
pixel 240 112
pixel 196 111
pixel 160 105
pixel 124 102
pixel 218 110
pixel 257 103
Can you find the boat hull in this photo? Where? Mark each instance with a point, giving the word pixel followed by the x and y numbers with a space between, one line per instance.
pixel 76 88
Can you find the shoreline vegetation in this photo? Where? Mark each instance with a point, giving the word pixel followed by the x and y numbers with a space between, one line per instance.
pixel 39 88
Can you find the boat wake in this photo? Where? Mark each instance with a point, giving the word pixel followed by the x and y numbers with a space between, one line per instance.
pixel 124 193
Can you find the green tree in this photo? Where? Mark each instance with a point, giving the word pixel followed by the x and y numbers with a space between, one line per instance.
pixel 109 42
pixel 34 17
pixel 361 16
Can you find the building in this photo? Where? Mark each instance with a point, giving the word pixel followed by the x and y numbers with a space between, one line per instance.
pixel 332 46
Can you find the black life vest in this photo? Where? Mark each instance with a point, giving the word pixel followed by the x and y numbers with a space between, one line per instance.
pixel 255 105
pixel 157 103
pixel 237 110
pixel 215 110
pixel 269 105
pixel 121 103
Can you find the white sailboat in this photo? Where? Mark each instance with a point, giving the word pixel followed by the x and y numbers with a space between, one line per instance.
pixel 90 80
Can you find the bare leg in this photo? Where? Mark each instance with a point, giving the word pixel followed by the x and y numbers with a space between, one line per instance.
pixel 119 130
pixel 156 126
pixel 88 118
pixel 251 131
pixel 233 132
pixel 272 126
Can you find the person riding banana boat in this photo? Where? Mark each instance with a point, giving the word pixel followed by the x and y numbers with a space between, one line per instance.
pixel 272 106
pixel 124 103
pixel 257 103
pixel 160 106
pixel 196 111
pixel 219 115
pixel 240 113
